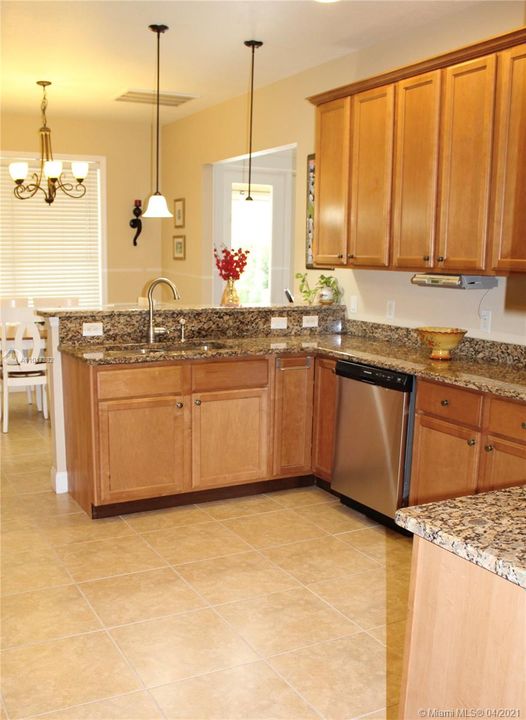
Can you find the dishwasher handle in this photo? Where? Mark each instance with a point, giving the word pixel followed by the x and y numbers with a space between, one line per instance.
pixel 383 377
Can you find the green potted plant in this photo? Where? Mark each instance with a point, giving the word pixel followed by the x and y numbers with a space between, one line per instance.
pixel 329 290
pixel 309 295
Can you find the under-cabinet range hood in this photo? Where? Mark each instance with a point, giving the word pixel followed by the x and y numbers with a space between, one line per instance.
pixel 458 282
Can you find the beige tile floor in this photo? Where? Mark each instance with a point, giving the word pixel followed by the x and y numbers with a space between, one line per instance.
pixel 285 606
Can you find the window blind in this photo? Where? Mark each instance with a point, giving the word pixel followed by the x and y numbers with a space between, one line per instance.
pixel 51 250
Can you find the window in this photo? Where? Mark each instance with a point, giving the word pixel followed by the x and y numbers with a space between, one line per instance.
pixel 52 250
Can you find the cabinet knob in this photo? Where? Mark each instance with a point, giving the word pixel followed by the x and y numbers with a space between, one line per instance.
pixel 426 258
pixel 440 258
pixel 179 405
pixel 523 425
pixel 197 402
pixel 340 256
pixel 471 442
pixel 488 448
pixel 350 256
pixel 444 403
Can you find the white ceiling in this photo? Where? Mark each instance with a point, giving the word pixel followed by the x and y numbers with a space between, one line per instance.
pixel 93 51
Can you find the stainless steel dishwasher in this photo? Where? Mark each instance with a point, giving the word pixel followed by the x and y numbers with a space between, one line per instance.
pixel 373 436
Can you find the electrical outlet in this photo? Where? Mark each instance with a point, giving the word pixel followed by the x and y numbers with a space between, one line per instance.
pixel 353 304
pixel 92 329
pixel 310 321
pixel 278 323
pixel 390 311
pixel 485 321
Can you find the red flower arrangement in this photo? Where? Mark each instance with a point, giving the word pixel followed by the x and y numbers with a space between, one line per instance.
pixel 231 263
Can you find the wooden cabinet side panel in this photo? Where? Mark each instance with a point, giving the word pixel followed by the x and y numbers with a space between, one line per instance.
pixel 371 177
pixel 293 417
pixel 230 437
pixel 324 420
pixel 466 152
pixel 81 435
pixel 465 640
pixel 509 227
pixel 445 461
pixel 416 171
pixel 331 182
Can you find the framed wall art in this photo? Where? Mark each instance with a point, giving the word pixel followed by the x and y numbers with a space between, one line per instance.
pixel 179 213
pixel 179 247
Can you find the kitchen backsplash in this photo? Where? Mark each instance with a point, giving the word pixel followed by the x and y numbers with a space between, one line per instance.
pixel 131 325
pixel 469 348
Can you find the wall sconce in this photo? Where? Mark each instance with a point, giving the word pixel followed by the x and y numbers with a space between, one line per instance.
pixel 136 222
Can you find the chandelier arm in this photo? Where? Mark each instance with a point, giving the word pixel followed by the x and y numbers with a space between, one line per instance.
pixel 69 189
pixel 29 190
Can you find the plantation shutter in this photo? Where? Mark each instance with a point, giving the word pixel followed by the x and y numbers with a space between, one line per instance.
pixel 51 250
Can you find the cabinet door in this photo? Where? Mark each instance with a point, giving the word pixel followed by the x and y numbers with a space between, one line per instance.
pixel 466 146
pixel 293 416
pixel 144 448
pixel 325 396
pixel 331 182
pixel 416 171
pixel 509 229
pixel 445 461
pixel 503 464
pixel 230 437
pixel 371 177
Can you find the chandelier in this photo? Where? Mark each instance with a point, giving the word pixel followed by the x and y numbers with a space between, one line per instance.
pixel 253 45
pixel 49 178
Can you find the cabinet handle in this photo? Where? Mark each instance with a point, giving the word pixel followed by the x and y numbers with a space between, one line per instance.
pixel 179 405
pixel 426 258
pixel 444 403
pixel 197 402
pixel 440 258
pixel 523 425
pixel 472 442
pixel 488 448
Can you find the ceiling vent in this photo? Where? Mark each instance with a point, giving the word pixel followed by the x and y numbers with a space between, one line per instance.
pixel 148 97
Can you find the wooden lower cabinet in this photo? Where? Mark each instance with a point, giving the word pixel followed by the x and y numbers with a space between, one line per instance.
pixel 324 421
pixel 230 437
pixel 445 461
pixel 293 415
pixel 144 447
pixel 480 446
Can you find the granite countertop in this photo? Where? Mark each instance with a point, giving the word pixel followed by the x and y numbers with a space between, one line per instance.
pixel 488 529
pixel 500 379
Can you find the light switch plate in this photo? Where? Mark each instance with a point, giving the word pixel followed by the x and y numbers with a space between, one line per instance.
pixel 92 329
pixel 390 310
pixel 310 321
pixel 485 321
pixel 353 304
pixel 278 323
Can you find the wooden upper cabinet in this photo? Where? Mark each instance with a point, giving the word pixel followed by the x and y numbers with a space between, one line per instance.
pixel 415 171
pixel 509 227
pixel 465 172
pixel 331 182
pixel 372 119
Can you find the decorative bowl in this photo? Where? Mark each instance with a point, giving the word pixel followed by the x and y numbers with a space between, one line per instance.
pixel 441 340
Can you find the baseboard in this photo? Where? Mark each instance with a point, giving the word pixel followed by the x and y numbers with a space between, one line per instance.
pixel 59 480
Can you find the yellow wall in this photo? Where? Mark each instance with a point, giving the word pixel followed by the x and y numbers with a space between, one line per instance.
pixel 127 149
pixel 283 116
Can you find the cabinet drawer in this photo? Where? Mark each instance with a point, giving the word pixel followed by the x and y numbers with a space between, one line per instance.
pixel 506 417
pixel 229 375
pixel 449 402
pixel 136 382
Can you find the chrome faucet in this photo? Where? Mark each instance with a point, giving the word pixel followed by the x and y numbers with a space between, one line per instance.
pixel 153 331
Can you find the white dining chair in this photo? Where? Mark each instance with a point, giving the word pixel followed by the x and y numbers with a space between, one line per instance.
pixel 23 362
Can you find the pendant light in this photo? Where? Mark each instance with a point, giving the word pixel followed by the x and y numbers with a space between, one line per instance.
pixel 253 45
pixel 157 207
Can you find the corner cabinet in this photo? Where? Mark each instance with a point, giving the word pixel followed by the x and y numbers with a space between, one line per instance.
pixel 436 165
pixel 465 442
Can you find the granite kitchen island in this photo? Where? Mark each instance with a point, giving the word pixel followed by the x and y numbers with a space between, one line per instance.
pixel 465 648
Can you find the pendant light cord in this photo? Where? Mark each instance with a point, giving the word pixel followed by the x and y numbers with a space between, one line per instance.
pixel 157 135
pixel 251 44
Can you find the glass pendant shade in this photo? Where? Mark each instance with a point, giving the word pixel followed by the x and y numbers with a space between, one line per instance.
pixel 18 171
pixel 79 169
pixel 157 207
pixel 52 169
